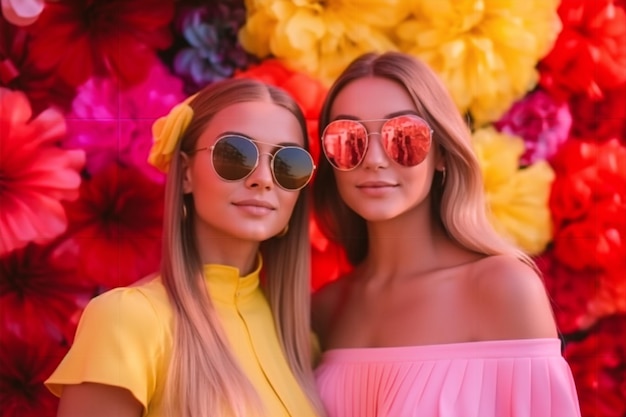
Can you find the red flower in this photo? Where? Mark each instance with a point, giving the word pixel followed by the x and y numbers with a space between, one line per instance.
pixel 308 92
pixel 597 241
pixel 611 295
pixel 35 173
pixel 570 292
pixel 24 366
pixel 587 173
pixel 115 226
pixel 81 38
pixel 588 204
pixel 598 364
pixel 40 292
pixel 589 55
pixel 328 260
pixel 18 72
pixel 600 120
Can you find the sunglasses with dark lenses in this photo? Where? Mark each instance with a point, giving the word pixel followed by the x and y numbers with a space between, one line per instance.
pixel 235 157
pixel 406 140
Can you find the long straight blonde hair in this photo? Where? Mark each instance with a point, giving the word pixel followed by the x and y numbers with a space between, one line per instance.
pixel 459 204
pixel 204 379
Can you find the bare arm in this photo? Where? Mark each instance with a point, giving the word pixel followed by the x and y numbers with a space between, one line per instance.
pixel 98 400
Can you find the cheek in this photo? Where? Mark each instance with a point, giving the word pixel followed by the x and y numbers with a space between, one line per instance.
pixel 345 184
pixel 288 201
pixel 205 185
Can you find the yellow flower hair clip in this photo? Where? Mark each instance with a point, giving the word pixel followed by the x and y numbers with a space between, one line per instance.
pixel 167 131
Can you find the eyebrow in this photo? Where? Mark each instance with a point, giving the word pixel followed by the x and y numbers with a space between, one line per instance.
pixel 387 116
pixel 233 133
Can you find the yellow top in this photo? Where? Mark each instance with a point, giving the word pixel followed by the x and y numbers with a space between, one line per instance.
pixel 124 339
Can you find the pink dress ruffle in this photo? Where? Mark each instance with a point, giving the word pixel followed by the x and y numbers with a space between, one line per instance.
pixel 503 378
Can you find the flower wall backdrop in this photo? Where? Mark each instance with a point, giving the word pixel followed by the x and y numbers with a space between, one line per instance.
pixel 541 82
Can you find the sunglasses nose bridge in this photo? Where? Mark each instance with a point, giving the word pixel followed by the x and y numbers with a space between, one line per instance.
pixel 262 173
pixel 375 155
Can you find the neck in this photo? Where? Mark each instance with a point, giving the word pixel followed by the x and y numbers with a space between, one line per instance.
pixel 403 245
pixel 241 254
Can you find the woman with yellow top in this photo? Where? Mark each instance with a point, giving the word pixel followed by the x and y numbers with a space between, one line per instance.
pixel 207 336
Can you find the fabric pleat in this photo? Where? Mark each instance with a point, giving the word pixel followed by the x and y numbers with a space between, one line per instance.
pixel 503 378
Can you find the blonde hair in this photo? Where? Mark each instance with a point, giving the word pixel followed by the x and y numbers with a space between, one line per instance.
pixel 459 204
pixel 204 379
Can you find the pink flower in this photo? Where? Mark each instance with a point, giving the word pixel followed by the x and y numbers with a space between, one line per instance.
pixel 543 123
pixel 22 12
pixel 116 125
pixel 35 174
pixel 82 38
pixel 115 226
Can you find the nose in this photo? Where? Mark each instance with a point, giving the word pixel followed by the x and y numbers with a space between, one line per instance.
pixel 261 176
pixel 375 156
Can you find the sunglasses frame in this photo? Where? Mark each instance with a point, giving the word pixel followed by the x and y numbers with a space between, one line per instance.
pixel 367 138
pixel 258 159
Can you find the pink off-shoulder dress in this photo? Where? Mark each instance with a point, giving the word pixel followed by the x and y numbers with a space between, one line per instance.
pixel 503 378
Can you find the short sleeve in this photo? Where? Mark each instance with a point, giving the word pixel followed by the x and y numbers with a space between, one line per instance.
pixel 118 342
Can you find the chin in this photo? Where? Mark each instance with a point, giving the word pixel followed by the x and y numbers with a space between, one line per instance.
pixel 257 235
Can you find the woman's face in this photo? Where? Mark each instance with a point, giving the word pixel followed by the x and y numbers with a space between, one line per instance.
pixel 379 188
pixel 255 208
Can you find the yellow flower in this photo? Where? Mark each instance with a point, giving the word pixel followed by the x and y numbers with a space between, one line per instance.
pixel 486 51
pixel 517 198
pixel 320 37
pixel 166 132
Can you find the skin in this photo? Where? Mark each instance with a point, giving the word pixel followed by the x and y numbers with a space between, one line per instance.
pixel 228 225
pixel 416 286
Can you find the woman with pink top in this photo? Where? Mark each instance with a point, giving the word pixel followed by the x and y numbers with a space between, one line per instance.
pixel 440 316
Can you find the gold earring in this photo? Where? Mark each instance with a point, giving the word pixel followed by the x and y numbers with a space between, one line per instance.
pixel 443 176
pixel 283 232
pixel 184 211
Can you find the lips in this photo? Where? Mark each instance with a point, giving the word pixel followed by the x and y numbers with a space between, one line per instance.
pixel 376 184
pixel 254 203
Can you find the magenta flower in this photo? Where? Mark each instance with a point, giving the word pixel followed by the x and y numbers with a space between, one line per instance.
pixel 543 123
pixel 116 125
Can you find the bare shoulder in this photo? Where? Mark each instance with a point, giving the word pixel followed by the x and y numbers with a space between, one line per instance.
pixel 324 304
pixel 511 300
